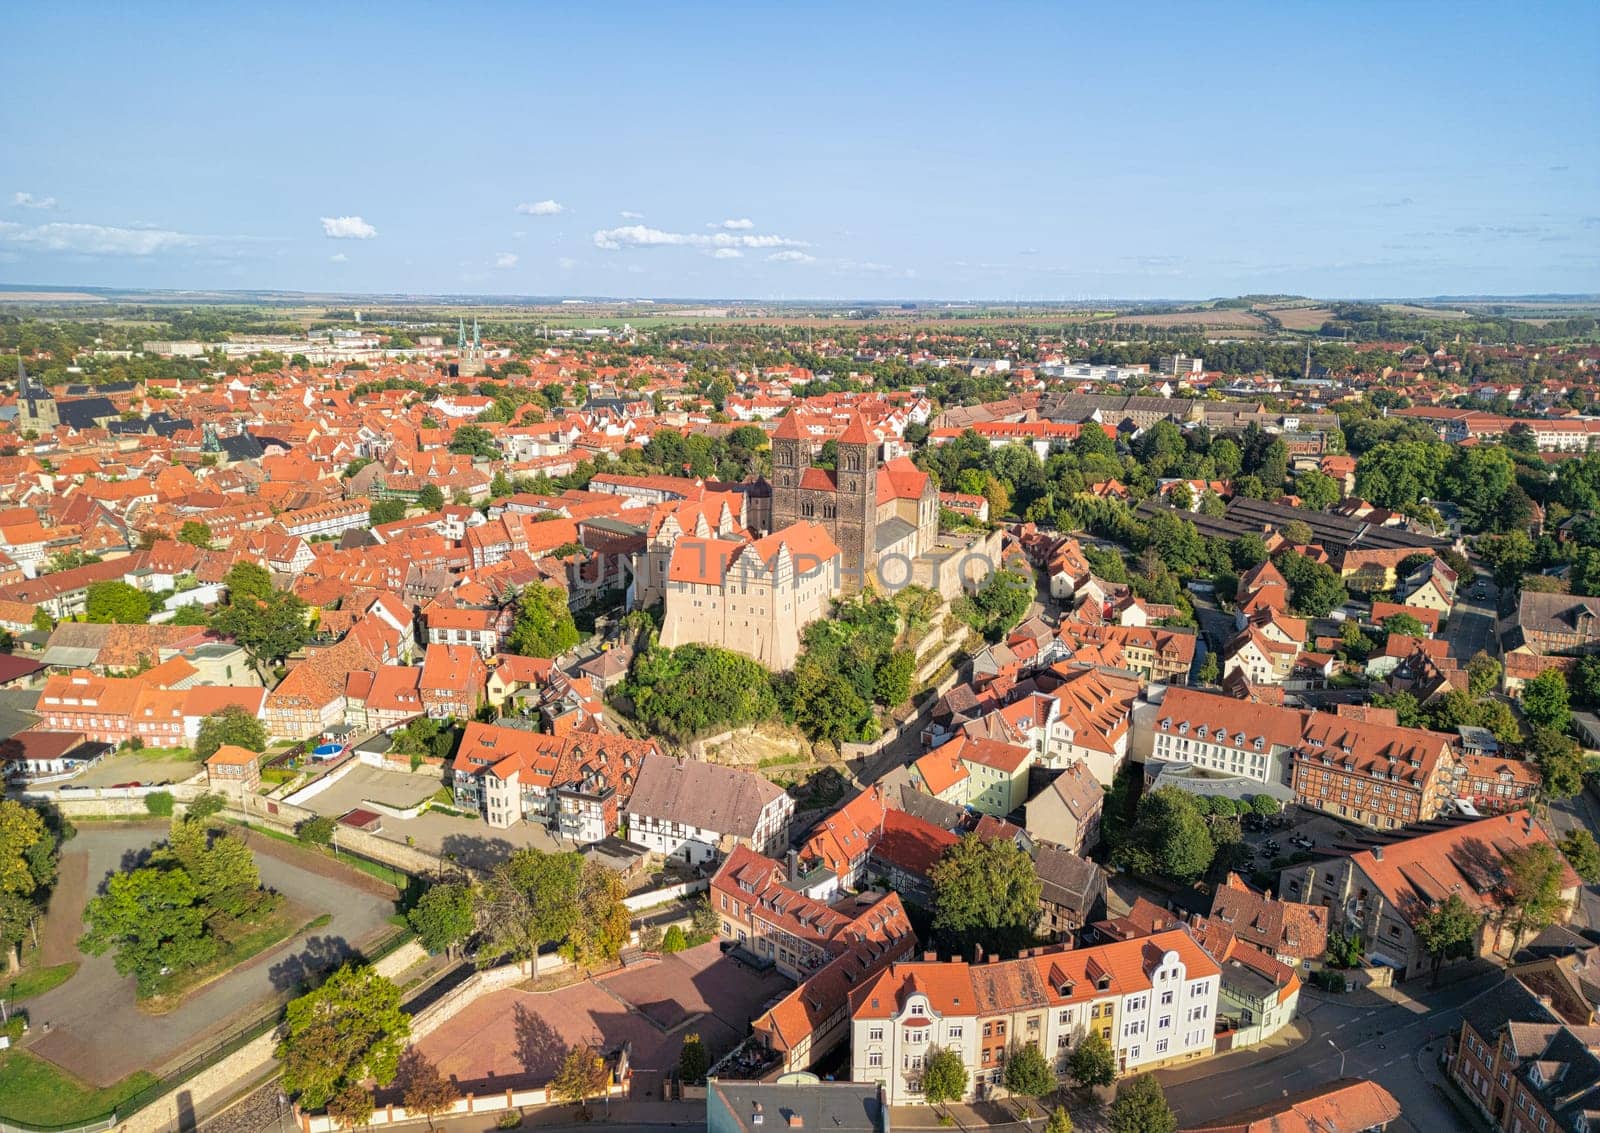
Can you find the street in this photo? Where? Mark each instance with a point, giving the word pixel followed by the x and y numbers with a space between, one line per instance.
pixel 1472 620
pixel 1364 1034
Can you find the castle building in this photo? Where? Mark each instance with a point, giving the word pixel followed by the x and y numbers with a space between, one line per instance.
pixel 883 517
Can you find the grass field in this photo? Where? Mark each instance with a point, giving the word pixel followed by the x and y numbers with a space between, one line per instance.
pixel 1300 318
pixel 36 1092
pixel 36 981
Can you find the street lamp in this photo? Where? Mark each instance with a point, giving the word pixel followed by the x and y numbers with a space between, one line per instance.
pixel 1341 1054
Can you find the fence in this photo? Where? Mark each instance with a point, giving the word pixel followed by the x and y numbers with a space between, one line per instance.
pixel 650 898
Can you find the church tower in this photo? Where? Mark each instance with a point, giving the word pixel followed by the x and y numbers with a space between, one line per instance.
pixel 857 528
pixel 791 456
pixel 36 408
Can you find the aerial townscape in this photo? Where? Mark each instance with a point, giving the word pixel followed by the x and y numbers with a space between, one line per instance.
pixel 609 592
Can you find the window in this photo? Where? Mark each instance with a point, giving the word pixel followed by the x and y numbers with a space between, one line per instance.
pixel 875 1058
pixel 875 1035
pixel 954 1032
pixel 1161 1046
pixel 1164 1022
pixel 1166 999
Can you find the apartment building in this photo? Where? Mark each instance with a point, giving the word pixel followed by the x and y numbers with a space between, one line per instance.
pixel 1555 625
pixel 1153 998
pixel 1162 656
pixel 1231 737
pixel 484 630
pixel 325 520
pixel 683 808
pixel 1382 893
pixel 453 681
pixel 1376 774
pixel 987 775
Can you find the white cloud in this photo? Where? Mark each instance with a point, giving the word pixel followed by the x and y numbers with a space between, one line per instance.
pixel 726 254
pixel 541 208
pixel 566 263
pixel 741 225
pixel 338 258
pixel 792 258
pixel 640 236
pixel 506 260
pixel 626 215
pixel 29 201
pixel 96 239
pixel 347 228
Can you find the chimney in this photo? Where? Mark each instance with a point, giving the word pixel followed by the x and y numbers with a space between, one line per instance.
pixel 794 865
pixel 1377 853
pixel 930 957
pixel 977 953
pixel 796 1121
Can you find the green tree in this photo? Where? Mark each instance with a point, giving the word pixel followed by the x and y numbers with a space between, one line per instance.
pixel 1314 588
pixel 443 917
pixel 986 892
pixel 316 831
pixel 268 624
pixel 233 725
pixel 674 940
pixel 1060 1121
pixel 601 927
pixel 944 1077
pixel 474 441
pixel 1027 1073
pixel 346 1031
pixel 1483 674
pixel 693 1061
pixel 1093 1062
pixel 696 689
pixel 1405 624
pixel 529 900
pixel 1530 892
pixel 1560 762
pixel 1209 671
pixel 196 533
pixel 204 806
pixel 1583 855
pixel 1448 930
pixel 385 511
pixel 1317 490
pixel 1544 701
pixel 1141 1107
pixel 154 919
pixel 430 498
pixel 1170 837
pixel 543 625
pixel 115 601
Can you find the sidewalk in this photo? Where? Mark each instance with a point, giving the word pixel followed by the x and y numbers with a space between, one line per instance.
pixel 1283 1043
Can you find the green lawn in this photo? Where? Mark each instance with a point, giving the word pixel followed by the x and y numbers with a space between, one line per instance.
pixel 36 981
pixel 36 1092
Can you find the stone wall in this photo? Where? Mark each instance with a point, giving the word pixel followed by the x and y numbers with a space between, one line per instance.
pixel 180 1109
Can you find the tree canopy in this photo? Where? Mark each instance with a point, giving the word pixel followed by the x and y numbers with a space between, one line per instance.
pixel 346 1031
pixel 543 625
pixel 117 601
pixel 1169 838
pixel 695 689
pixel 229 725
pixel 985 892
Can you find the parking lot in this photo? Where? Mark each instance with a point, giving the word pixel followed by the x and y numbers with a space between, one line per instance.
pixel 371 784
pixel 142 767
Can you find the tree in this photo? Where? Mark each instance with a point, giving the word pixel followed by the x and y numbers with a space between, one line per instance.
pixel 344 1032
pixel 1405 624
pixel 425 1090
pixel 543 626
pixel 1448 930
pixel 1170 837
pixel 674 940
pixel 603 920
pixel 530 900
pixel 1530 894
pixel 1141 1107
pixel 1298 533
pixel 154 919
pixel 892 678
pixel 693 1061
pixel 222 867
pixel 985 892
pixel 1265 805
pixel 1027 1073
pixel 583 1074
pixel 1483 674
pixel 204 806
pixel 195 533
pixel 352 1106
pixel 443 917
pixel 1060 1121
pixel 269 624
pixel 316 831
pixel 1314 588
pixel 233 725
pixel 1209 670
pixel 430 498
pixel 1560 762
pixel 474 441
pixel 696 689
pixel 117 601
pixel 1544 701
pixel 944 1077
pixel 1093 1062
pixel 385 511
pixel 1583 855
pixel 21 829
pixel 1317 490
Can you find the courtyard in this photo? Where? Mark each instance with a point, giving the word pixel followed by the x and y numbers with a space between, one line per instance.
pixel 516 1037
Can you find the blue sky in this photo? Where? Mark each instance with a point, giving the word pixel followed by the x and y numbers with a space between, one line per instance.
pixel 1050 151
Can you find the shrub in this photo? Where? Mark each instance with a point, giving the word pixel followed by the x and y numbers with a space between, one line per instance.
pixel 1328 980
pixel 316 831
pixel 159 803
pixel 510 1119
pixel 674 940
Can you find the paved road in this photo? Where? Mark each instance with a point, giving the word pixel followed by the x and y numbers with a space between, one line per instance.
pixel 96 1028
pixel 1472 620
pixel 1359 1037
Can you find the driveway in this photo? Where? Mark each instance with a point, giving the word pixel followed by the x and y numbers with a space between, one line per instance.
pixel 92 1024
